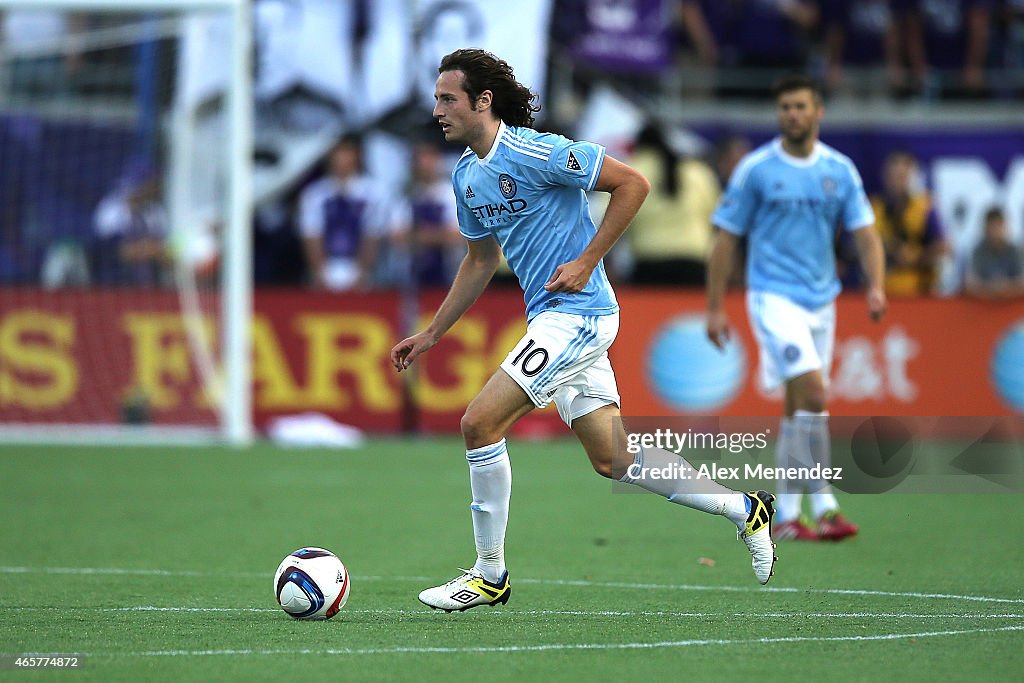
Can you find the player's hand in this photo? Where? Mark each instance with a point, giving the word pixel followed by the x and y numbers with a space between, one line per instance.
pixel 569 277
pixel 877 303
pixel 718 328
pixel 406 351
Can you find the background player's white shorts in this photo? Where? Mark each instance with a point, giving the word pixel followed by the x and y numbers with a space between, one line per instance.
pixel 564 358
pixel 793 339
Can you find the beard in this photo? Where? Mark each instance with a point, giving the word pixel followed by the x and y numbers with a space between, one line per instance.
pixel 798 137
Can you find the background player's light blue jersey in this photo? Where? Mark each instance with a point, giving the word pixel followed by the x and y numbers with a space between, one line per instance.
pixel 790 209
pixel 528 193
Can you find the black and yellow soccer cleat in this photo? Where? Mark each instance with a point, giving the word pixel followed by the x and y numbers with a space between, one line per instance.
pixel 757 534
pixel 469 590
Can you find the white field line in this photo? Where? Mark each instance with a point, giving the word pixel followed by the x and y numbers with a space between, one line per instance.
pixel 769 589
pixel 511 612
pixel 545 648
pixel 544 582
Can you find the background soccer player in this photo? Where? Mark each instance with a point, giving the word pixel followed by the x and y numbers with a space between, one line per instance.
pixel 789 197
pixel 522 193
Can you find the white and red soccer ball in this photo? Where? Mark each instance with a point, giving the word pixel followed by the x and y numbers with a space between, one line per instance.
pixel 311 583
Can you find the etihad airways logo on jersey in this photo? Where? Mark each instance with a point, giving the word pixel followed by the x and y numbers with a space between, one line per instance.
pixel 794 203
pixel 491 214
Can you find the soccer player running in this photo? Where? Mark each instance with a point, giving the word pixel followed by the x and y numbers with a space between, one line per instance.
pixel 522 193
pixel 789 197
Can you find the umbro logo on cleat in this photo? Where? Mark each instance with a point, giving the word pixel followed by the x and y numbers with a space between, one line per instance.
pixel 469 192
pixel 466 592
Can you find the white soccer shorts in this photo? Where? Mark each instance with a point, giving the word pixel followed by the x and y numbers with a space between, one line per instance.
pixel 793 340
pixel 564 358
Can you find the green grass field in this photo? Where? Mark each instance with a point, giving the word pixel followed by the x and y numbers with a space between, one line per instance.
pixel 157 564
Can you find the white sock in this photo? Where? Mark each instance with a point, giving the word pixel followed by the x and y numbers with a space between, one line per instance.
pixel 700 494
pixel 813 429
pixel 822 503
pixel 787 502
pixel 490 476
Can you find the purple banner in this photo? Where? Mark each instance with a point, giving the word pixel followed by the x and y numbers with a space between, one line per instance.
pixel 624 36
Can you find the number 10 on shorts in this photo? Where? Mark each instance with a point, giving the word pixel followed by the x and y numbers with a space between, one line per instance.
pixel 533 359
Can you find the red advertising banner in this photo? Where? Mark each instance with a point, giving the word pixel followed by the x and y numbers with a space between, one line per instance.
pixel 87 356
pixel 327 353
pixel 330 353
pixel 926 357
pixel 83 356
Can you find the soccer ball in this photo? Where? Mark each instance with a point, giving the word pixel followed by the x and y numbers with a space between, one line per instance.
pixel 311 583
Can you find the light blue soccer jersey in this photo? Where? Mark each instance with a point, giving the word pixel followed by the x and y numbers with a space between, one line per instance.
pixel 790 209
pixel 529 194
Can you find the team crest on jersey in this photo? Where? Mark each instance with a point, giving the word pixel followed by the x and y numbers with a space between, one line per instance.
pixel 507 185
pixel 577 161
pixel 469 192
pixel 829 185
pixel 791 353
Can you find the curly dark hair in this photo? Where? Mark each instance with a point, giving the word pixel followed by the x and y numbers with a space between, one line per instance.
pixel 512 101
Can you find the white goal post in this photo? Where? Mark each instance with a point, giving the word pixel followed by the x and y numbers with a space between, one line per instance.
pixel 232 402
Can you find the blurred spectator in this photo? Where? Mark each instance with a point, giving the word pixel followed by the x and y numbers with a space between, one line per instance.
pixel 909 227
pixel 343 217
pixel 131 229
pixel 701 28
pixel 1011 44
pixel 35 40
pixel 728 153
pixel 946 43
pixel 436 247
pixel 773 38
pixel 701 49
pixel 859 42
pixel 671 234
pixel 996 270
pixel 276 248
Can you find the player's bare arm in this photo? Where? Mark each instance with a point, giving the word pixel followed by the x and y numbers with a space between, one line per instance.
pixel 719 268
pixel 477 269
pixel 628 189
pixel 872 261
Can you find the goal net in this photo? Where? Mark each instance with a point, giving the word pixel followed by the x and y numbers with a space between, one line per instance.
pixel 125 216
